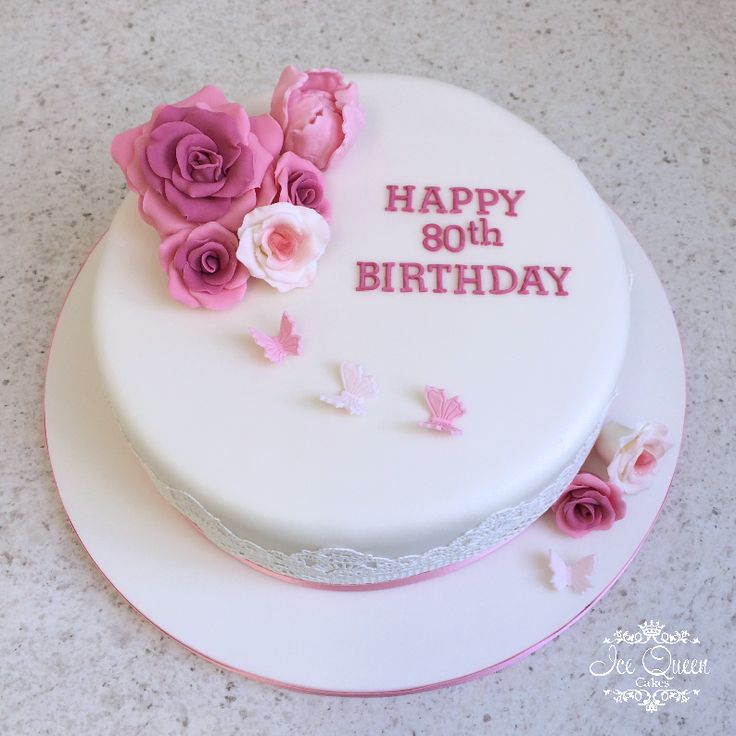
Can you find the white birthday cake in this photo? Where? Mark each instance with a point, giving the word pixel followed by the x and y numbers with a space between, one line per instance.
pixel 366 330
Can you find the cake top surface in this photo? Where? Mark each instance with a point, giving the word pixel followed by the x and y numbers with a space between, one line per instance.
pixel 528 330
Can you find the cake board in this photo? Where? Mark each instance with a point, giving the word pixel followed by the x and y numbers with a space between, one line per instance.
pixel 442 630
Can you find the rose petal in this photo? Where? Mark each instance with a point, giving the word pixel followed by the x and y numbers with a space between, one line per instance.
pixel 267 192
pixel 156 211
pixel 169 246
pixel 228 297
pixel 183 147
pixel 240 176
pixel 239 206
pixel 178 289
pixel 269 133
pixel 161 148
pixel 209 95
pixel 122 151
pixel 221 129
pixel 352 124
pixel 141 170
pixel 193 209
pixel 240 117
pixel 289 81
pixel 196 190
pixel 318 139
pixel 617 502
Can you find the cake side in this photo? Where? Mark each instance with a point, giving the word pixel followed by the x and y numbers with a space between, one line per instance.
pixel 251 443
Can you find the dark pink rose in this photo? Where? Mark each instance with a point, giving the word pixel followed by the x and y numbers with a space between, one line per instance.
pixel 319 113
pixel 295 180
pixel 202 266
pixel 589 503
pixel 197 161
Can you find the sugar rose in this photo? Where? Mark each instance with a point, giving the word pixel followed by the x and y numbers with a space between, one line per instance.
pixel 202 266
pixel 588 504
pixel 199 160
pixel 296 180
pixel 632 455
pixel 319 113
pixel 281 244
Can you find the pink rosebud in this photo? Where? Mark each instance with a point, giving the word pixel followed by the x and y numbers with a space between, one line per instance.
pixel 295 180
pixel 203 268
pixel 319 113
pixel 199 160
pixel 588 504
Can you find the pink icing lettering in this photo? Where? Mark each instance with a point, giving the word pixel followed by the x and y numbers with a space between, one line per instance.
pixel 532 279
pixel 439 270
pixel 463 279
pixel 367 276
pixel 511 200
pixel 433 240
pixel 460 197
pixel 489 232
pixel 486 198
pixel 407 276
pixel 559 278
pixel 388 268
pixel 473 232
pixel 406 198
pixel 496 281
pixel 432 199
pixel 459 240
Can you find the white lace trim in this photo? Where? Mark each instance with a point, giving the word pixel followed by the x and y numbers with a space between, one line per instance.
pixel 343 566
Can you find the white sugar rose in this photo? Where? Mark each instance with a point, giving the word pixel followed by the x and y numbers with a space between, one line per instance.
pixel 281 244
pixel 632 455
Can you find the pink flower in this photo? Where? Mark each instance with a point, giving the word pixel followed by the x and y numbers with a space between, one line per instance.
pixel 319 113
pixel 197 161
pixel 588 504
pixel 281 244
pixel 632 455
pixel 295 180
pixel 202 266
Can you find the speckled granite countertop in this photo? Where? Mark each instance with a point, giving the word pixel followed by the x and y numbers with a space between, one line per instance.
pixel 641 94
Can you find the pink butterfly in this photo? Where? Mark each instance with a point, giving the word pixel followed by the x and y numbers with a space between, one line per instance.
pixel 573 576
pixel 443 411
pixel 287 342
pixel 357 387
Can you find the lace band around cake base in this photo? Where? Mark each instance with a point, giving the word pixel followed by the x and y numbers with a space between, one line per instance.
pixel 341 566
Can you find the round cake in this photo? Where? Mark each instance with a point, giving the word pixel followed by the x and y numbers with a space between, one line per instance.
pixel 459 343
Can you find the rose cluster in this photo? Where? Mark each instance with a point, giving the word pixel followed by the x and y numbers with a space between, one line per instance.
pixel 234 196
pixel 631 456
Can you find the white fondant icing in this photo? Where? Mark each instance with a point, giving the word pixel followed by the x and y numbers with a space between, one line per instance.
pixel 250 442
pixel 345 566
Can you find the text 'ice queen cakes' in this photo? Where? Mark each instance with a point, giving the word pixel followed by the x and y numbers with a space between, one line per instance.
pixel 368 335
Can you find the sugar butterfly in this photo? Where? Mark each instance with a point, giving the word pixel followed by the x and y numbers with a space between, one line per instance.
pixel 443 411
pixel 286 343
pixel 574 575
pixel 357 387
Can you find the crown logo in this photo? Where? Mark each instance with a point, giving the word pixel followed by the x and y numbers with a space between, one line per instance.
pixel 651 629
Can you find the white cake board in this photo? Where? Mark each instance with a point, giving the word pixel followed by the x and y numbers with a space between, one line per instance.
pixel 382 642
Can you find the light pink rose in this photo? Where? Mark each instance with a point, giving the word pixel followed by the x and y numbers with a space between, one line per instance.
pixel 281 244
pixel 588 504
pixel 202 266
pixel 319 113
pixel 197 161
pixel 632 455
